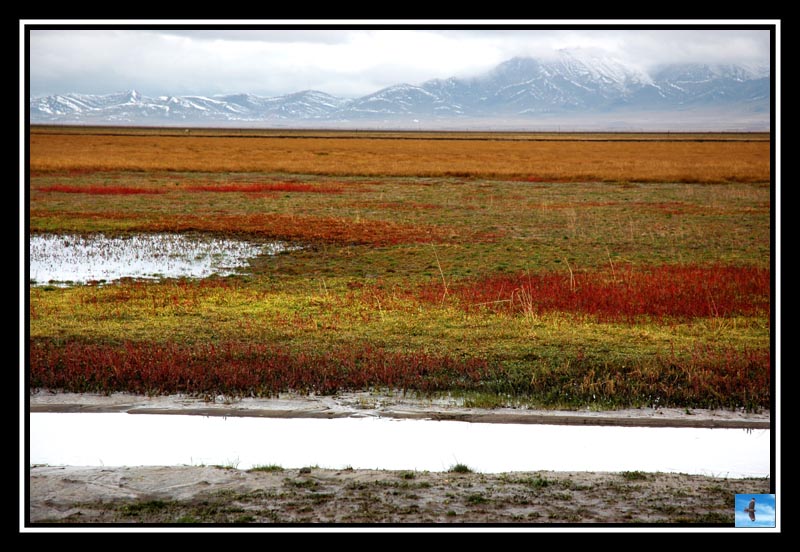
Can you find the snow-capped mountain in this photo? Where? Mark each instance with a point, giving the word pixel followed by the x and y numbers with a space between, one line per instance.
pixel 697 84
pixel 580 82
pixel 400 99
pixel 132 107
pixel 308 104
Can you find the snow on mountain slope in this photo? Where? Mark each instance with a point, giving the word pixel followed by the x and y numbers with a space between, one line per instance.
pixel 574 81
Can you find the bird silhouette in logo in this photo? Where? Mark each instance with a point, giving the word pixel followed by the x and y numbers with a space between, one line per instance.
pixel 751 509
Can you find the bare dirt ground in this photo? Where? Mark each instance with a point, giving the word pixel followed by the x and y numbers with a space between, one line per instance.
pixel 223 495
pixel 177 495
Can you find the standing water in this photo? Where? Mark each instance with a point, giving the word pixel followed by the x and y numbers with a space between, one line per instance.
pixel 74 259
pixel 119 439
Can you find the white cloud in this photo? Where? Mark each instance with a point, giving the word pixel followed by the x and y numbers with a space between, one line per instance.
pixel 343 62
pixel 764 514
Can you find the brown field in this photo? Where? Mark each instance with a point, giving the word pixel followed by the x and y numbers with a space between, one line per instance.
pixel 706 158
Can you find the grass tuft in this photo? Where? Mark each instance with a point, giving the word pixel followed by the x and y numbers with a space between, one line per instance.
pixel 266 468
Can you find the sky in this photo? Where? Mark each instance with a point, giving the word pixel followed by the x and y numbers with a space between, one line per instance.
pixel 348 63
pixel 764 514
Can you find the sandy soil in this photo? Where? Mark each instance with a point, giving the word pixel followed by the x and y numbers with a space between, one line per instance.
pixel 177 495
pixel 196 495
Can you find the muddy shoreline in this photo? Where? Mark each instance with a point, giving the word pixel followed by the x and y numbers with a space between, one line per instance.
pixel 312 497
pixel 390 405
pixel 309 497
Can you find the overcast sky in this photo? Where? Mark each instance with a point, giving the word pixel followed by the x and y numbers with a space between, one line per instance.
pixel 341 62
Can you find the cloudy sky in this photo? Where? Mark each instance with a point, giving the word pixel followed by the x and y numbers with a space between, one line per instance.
pixel 347 63
pixel 764 514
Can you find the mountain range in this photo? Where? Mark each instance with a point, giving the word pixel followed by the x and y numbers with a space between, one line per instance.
pixel 578 87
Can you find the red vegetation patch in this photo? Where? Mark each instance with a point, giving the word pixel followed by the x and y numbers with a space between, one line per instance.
pixel 661 292
pixel 99 190
pixel 263 195
pixel 250 187
pixel 705 377
pixel 243 369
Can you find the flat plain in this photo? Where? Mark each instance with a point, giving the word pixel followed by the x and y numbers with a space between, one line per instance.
pixel 538 272
pixel 532 270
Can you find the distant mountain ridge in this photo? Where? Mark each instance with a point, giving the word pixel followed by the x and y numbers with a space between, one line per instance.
pixel 572 83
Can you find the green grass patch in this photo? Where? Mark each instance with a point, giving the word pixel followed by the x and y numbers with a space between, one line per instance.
pixel 635 476
pixel 476 498
pixel 266 468
pixel 146 507
pixel 460 468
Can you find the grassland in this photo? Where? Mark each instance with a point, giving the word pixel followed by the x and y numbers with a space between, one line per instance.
pixel 534 159
pixel 517 270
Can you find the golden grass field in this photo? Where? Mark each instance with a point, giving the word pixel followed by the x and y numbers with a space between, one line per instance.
pixel 670 158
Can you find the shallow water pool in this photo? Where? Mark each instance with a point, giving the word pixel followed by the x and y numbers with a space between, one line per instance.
pixel 75 259
pixel 120 439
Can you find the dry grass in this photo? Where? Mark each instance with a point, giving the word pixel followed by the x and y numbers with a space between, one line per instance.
pixel 556 160
pixel 291 227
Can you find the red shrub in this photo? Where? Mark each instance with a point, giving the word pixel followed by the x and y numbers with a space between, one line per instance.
pixel 661 292
pixel 707 376
pixel 239 368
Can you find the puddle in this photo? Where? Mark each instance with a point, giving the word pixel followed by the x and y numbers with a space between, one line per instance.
pixel 74 259
pixel 119 439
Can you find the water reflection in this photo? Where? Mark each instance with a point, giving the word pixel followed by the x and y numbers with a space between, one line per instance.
pixel 368 443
